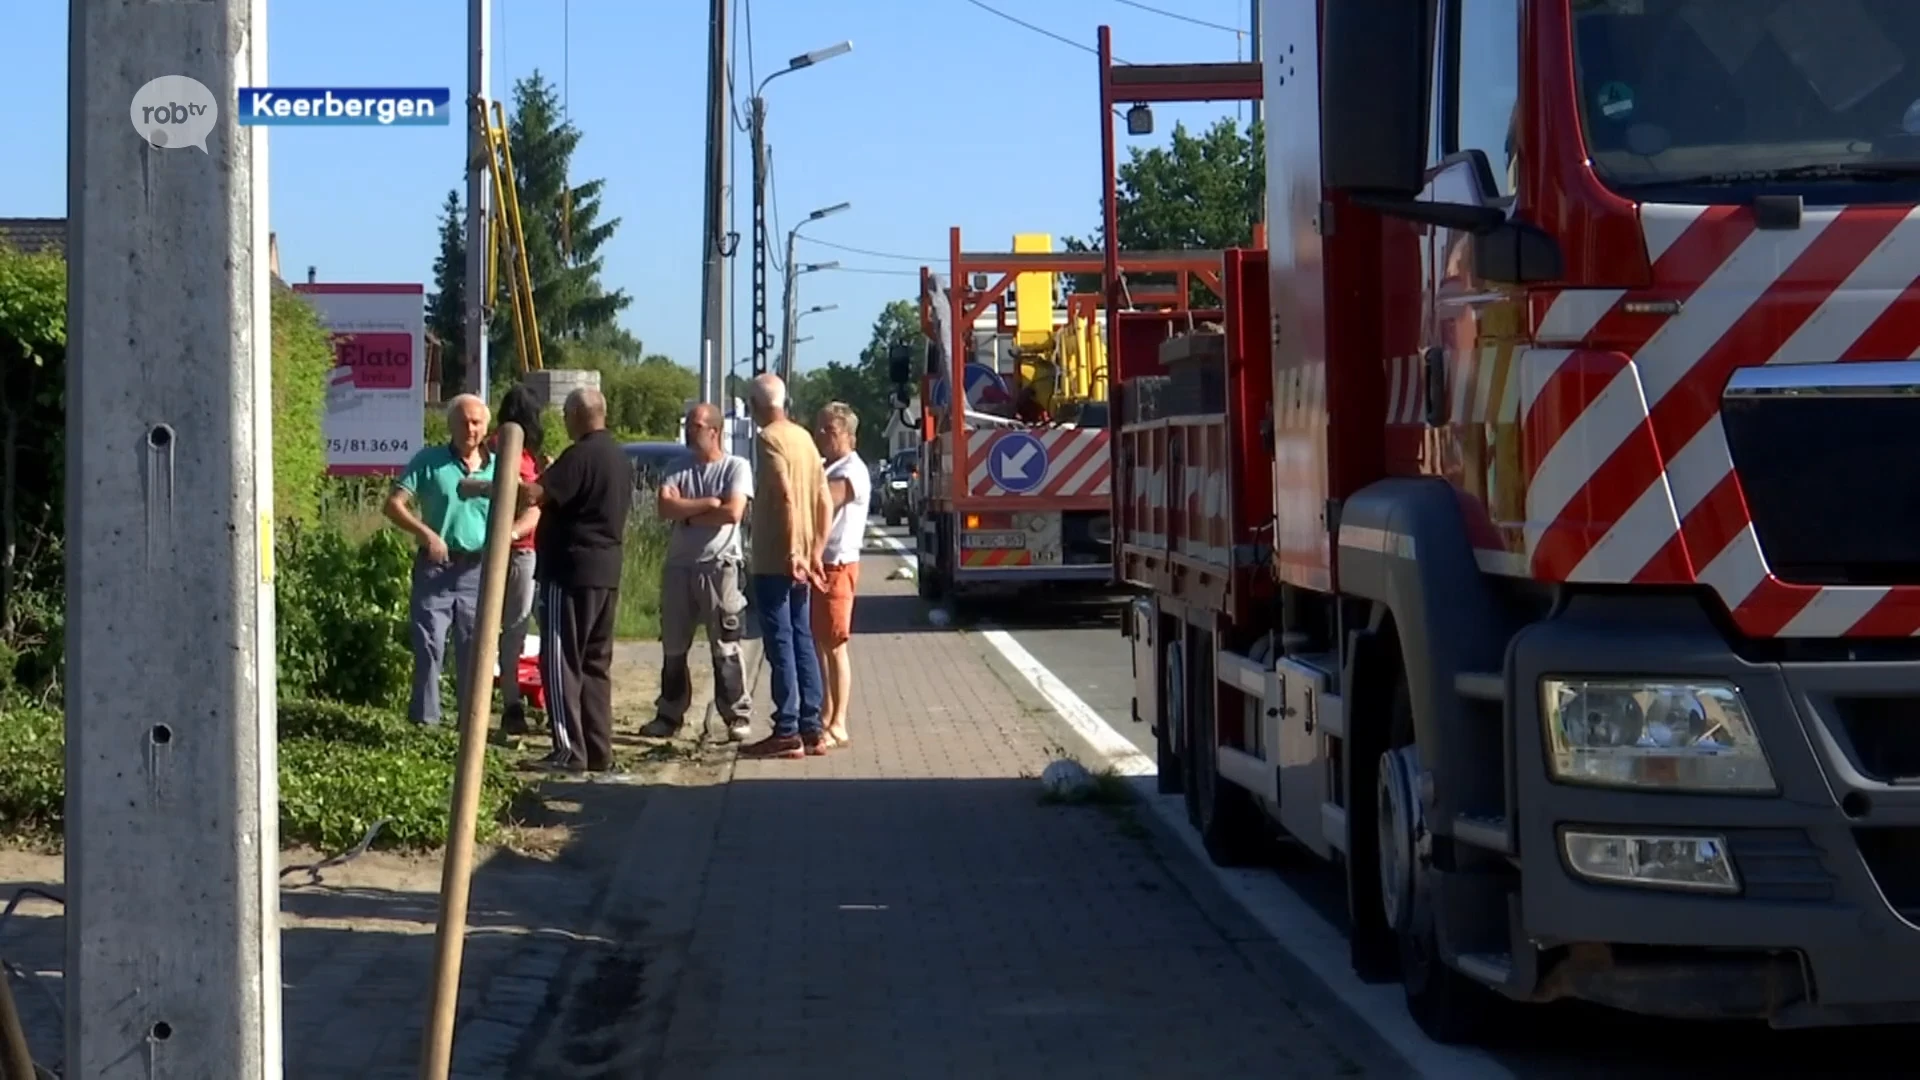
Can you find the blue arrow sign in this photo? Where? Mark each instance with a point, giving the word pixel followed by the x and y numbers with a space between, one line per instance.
pixel 1017 462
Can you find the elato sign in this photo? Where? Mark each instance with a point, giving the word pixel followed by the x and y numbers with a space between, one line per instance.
pixel 334 106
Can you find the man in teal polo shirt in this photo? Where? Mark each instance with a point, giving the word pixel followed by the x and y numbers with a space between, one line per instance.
pixel 451 529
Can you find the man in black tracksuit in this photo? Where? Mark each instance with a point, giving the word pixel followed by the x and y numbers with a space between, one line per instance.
pixel 584 498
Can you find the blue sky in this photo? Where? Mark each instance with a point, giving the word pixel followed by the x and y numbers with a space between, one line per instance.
pixel 945 116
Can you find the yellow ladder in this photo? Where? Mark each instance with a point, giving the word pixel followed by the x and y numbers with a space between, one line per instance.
pixel 506 242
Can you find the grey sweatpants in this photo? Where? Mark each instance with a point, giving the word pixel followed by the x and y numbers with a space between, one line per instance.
pixel 445 596
pixel 704 595
pixel 514 615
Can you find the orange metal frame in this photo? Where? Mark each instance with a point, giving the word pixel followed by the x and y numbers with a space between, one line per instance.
pixel 1000 269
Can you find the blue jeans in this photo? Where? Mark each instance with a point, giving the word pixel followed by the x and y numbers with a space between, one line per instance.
pixel 786 634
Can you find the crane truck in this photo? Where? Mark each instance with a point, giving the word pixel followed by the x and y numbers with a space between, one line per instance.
pixel 1016 466
pixel 1534 536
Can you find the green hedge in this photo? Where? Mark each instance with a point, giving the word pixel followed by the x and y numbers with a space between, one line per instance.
pixel 341 769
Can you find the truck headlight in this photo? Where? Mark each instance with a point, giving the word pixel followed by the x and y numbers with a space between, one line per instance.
pixel 1632 733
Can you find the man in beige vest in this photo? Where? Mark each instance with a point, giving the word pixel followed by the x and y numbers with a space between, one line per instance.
pixel 790 517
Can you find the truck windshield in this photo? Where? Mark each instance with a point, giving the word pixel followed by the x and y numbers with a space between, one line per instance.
pixel 1730 97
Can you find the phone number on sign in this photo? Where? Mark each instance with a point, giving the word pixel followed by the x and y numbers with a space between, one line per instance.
pixel 368 446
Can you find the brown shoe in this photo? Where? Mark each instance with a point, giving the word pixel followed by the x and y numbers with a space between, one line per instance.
pixel 776 746
pixel 816 746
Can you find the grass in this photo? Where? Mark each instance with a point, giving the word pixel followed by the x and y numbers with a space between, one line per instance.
pixel 638 613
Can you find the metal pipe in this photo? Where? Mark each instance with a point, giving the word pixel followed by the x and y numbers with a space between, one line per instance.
pixel 479 29
pixel 476 708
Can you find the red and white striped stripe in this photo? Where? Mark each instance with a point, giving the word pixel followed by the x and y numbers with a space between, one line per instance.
pixel 1630 479
pixel 1077 463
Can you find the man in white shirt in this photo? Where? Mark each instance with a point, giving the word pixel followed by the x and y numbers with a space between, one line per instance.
pixel 850 489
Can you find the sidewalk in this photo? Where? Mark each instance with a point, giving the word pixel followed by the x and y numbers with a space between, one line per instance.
pixel 908 907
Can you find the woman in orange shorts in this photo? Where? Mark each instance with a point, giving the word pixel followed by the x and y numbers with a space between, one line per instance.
pixel 850 487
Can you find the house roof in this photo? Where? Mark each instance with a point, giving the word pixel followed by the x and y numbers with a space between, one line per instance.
pixel 34 235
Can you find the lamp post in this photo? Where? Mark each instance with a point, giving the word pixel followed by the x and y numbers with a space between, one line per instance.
pixel 757 120
pixel 792 341
pixel 787 318
pixel 794 270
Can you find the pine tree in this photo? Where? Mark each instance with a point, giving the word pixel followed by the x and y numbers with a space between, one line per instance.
pixel 447 304
pixel 562 230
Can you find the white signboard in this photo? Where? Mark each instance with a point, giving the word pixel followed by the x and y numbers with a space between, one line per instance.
pixel 377 390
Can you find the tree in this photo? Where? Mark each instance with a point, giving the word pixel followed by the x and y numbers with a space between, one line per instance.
pixel 562 230
pixel 648 399
pixel 863 384
pixel 1199 191
pixel 447 304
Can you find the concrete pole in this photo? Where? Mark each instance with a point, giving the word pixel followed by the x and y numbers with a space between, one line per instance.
pixel 173 944
pixel 786 310
pixel 479 196
pixel 762 340
pixel 713 283
pixel 1258 56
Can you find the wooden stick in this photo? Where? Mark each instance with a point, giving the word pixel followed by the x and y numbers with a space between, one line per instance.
pixel 476 714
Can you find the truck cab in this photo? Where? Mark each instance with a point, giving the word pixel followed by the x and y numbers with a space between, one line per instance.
pixel 1592 330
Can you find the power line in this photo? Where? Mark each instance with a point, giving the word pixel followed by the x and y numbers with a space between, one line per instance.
pixel 1234 30
pixel 874 254
pixel 871 270
pixel 1042 31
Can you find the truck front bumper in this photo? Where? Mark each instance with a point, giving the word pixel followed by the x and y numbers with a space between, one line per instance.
pixel 1825 926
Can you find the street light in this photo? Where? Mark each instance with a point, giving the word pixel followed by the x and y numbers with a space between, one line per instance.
pixel 794 325
pixel 757 121
pixel 794 270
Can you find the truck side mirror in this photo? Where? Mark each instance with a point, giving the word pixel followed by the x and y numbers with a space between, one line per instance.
pixel 1517 253
pixel 1376 67
pixel 899 365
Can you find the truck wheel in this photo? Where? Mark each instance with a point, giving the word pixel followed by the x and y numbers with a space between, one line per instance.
pixel 1225 813
pixel 1170 778
pixel 1450 1007
pixel 927 574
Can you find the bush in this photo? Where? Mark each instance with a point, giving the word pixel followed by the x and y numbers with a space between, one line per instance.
pixel 344 768
pixel 341 605
pixel 302 357
pixel 33 784
pixel 341 770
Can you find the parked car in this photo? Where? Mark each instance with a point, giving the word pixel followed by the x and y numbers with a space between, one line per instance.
pixel 652 461
pixel 900 471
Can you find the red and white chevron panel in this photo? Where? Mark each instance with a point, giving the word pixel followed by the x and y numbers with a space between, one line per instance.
pixel 1629 478
pixel 1077 463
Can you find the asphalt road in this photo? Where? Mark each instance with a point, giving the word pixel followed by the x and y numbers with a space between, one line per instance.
pixel 1082 646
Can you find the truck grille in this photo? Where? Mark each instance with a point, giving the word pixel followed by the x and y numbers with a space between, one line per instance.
pixel 1779 864
pixel 1882 736
pixel 1892 856
pixel 1832 482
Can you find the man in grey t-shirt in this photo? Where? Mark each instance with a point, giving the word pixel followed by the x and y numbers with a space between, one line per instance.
pixel 703 503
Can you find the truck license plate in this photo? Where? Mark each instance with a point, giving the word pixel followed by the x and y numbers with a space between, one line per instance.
pixel 997 540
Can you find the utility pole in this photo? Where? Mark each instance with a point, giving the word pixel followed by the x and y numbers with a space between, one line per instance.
pixel 787 317
pixel 1258 57
pixel 173 900
pixel 762 341
pixel 713 284
pixel 479 32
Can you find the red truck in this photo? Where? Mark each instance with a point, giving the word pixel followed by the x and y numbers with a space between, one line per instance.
pixel 1530 541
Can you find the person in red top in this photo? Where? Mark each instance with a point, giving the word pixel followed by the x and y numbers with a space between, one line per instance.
pixel 520 406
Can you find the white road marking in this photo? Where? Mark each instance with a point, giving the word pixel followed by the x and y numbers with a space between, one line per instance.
pixel 1314 942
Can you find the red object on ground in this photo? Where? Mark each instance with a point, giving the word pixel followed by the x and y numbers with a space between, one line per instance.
pixel 531 690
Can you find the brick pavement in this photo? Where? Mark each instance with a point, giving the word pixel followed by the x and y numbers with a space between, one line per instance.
pixel 908 907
